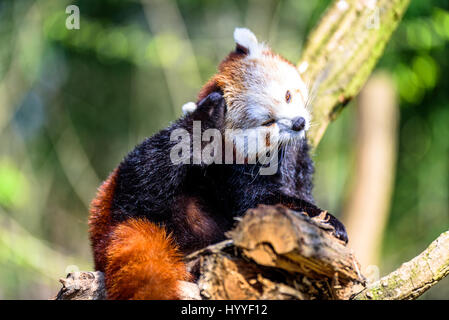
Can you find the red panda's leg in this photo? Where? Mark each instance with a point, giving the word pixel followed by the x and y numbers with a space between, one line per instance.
pixel 311 209
pixel 142 263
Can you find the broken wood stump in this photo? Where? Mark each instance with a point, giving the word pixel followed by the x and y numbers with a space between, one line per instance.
pixel 272 253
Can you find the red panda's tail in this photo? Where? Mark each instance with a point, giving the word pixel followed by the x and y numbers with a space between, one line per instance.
pixel 139 259
pixel 142 263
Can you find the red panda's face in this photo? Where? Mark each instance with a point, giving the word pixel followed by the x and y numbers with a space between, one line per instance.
pixel 263 92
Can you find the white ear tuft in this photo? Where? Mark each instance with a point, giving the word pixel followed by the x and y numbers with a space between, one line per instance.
pixel 189 107
pixel 246 39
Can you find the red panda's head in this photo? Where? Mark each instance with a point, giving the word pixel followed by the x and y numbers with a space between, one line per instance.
pixel 262 90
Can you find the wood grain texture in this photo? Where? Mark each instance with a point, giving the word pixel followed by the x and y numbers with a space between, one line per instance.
pixel 276 253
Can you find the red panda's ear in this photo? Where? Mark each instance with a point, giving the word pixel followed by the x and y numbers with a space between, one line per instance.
pixel 240 49
pixel 246 41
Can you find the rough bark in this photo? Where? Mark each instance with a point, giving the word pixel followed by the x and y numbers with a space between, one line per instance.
pixel 413 278
pixel 277 253
pixel 88 285
pixel 308 263
pixel 342 51
pixel 84 285
pixel 273 253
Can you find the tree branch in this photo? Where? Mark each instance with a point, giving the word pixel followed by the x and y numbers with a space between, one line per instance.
pixel 280 254
pixel 415 277
pixel 273 253
pixel 276 253
pixel 342 51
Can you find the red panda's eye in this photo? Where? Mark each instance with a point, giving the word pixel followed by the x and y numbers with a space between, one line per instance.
pixel 288 96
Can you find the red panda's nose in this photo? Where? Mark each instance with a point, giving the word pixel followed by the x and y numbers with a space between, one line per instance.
pixel 298 124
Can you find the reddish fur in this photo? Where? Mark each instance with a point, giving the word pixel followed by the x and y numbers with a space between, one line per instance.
pixel 139 259
pixel 196 222
pixel 229 79
pixel 227 69
pixel 208 88
pixel 143 263
pixel 137 256
pixel 100 223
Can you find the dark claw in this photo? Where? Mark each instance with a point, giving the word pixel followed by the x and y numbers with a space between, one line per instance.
pixel 340 230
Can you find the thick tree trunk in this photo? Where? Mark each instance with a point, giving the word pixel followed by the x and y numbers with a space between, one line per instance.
pixel 367 205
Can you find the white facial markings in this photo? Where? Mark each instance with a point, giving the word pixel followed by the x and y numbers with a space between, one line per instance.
pixel 285 122
pixel 252 143
pixel 266 80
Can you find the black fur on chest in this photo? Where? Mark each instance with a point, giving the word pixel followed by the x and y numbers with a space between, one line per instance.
pixel 197 204
pixel 240 187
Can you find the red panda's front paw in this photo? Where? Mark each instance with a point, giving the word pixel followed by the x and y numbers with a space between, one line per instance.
pixel 339 229
pixel 211 111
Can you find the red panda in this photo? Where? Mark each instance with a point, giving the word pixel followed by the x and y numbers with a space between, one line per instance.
pixel 150 212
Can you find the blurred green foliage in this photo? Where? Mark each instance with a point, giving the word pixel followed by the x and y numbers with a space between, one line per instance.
pixel 13 187
pixel 74 102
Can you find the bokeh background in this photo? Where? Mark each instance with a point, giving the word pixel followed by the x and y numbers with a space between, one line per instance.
pixel 74 102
